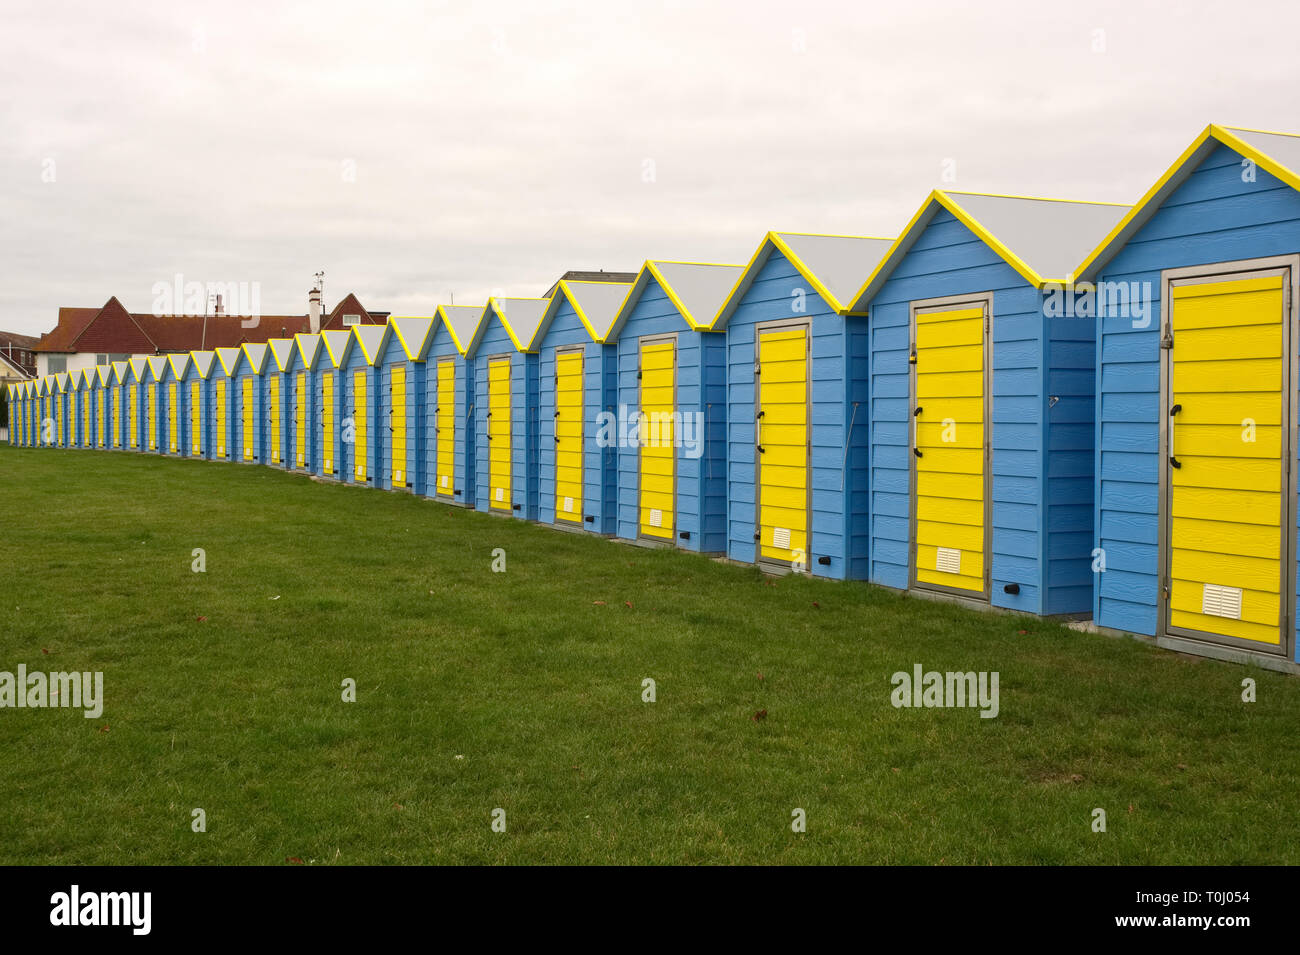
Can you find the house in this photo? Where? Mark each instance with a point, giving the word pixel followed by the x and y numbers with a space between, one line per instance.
pixel 86 337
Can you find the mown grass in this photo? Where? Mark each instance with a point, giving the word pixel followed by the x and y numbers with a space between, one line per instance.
pixel 523 690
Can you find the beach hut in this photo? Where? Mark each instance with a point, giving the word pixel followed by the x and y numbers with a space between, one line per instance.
pixel 137 404
pixel 982 403
pixel 399 364
pixel 796 405
pixel 59 396
pixel 1195 493
pixel 278 423
pixel 155 404
pixel 360 417
pixel 335 453
pixel 17 414
pixel 505 360
pixel 302 403
pixel 176 399
pixel 198 404
pixel 85 408
pixel 103 388
pixel 576 392
pixel 249 443
pixel 449 435
pixel 224 411
pixel 672 404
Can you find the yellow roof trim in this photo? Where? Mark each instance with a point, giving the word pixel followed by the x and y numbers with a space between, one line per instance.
pixel 510 329
pixel 1221 134
pixel 577 308
pixel 652 266
pixel 1012 195
pixel 451 330
pixel 325 337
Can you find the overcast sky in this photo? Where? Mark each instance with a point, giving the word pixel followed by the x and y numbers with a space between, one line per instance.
pixel 416 151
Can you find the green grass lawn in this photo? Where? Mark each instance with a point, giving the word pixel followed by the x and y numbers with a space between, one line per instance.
pixel 523 691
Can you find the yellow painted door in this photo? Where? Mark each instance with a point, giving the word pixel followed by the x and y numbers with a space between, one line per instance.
pixel 444 430
pixel 327 421
pixel 153 417
pixel 658 451
pixel 99 417
pixel 133 411
pixel 196 427
pixel 499 421
pixel 173 419
pixel 85 418
pixel 119 394
pixel 246 419
pixel 273 414
pixel 300 421
pixel 1226 464
pixel 568 436
pixel 948 432
pixel 221 417
pixel 398 426
pixel 781 435
pixel 359 415
pixel 58 419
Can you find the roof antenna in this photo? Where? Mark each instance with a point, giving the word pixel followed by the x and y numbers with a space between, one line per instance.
pixel 320 287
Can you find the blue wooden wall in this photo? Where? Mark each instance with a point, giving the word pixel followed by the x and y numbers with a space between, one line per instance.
pixel 1214 216
pixel 838 482
pixel 1041 453
pixel 599 387
pixel 701 498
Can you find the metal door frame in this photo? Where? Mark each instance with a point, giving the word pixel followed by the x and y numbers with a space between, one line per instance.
pixel 1289 267
pixel 783 324
pixel 949 303
pixel 640 407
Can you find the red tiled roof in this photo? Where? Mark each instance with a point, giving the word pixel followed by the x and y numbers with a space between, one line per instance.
pixel 112 329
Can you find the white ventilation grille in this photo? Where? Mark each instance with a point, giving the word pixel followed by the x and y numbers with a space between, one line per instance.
pixel 656 517
pixel 1219 601
pixel 397 475
pixel 501 494
pixel 443 483
pixel 568 505
pixel 947 560
pixel 781 538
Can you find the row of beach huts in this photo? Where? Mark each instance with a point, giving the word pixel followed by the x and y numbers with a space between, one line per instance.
pixel 1055 407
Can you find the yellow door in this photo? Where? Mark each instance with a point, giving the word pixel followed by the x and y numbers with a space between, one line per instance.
pixel 781 435
pixel 196 428
pixel 568 436
pixel 153 417
pixel 133 411
pixel 118 394
pixel 99 417
pixel 273 414
pixel 658 453
pixel 499 420
pixel 246 419
pixel 221 417
pixel 327 421
pixel 359 424
pixel 948 449
pixel 444 430
pixel 398 426
pixel 58 419
pixel 1225 468
pixel 173 419
pixel 300 421
pixel 85 418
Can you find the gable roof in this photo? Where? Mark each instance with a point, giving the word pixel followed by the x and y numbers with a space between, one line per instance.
pixel 834 265
pixel 521 318
pixel 595 303
pixel 179 364
pixel 308 348
pixel 412 333
pixel 61 381
pixel 350 305
pixel 696 289
pixel 336 344
pixel 1040 238
pixel 229 359
pixel 104 374
pixel 1276 153
pixel 255 355
pixel 118 374
pixel 138 366
pixel 157 366
pixel 463 322
pixel 202 362
pixel 367 338
pixel 282 350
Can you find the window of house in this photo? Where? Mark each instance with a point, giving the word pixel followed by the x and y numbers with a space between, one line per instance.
pixel 56 364
pixel 101 359
pixel 351 320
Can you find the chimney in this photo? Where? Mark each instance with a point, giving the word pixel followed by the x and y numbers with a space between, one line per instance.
pixel 221 309
pixel 313 310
